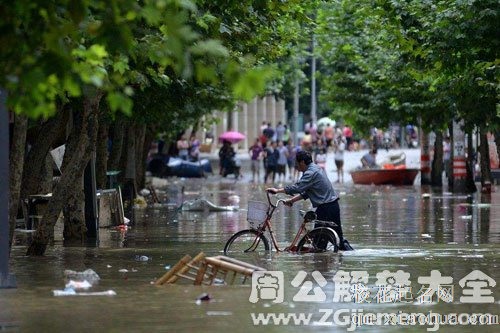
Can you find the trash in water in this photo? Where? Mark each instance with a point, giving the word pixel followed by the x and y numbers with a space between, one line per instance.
pixel 203 204
pixel 121 227
pixel 141 258
pixel 426 236
pixel 72 292
pixel 65 292
pixel 203 298
pixel 88 275
pixel 123 270
pixel 140 202
pixel 219 313
pixel 214 269
pixel 145 192
pixel 218 281
pixel 78 284
pixel 81 280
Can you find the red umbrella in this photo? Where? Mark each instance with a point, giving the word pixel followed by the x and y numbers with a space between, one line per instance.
pixel 231 136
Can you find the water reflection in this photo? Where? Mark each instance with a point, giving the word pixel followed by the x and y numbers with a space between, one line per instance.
pixel 415 229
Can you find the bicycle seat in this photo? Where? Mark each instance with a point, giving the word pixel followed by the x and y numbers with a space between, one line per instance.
pixel 327 224
pixel 309 215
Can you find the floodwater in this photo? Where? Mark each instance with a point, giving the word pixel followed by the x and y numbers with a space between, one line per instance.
pixel 424 232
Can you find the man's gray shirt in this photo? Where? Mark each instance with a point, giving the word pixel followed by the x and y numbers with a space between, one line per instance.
pixel 313 185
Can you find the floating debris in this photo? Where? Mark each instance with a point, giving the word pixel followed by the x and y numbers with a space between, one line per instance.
pixel 72 292
pixel 89 275
pixel 203 204
pixel 78 284
pixel 204 297
pixel 209 271
pixel 219 313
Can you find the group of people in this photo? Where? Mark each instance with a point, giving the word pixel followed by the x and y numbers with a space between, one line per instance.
pixel 275 150
pixel 276 157
pixel 188 150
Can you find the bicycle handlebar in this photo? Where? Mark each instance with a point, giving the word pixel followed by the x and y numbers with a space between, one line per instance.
pixel 275 205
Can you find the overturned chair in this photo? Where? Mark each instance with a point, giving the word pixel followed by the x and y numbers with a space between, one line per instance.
pixel 218 270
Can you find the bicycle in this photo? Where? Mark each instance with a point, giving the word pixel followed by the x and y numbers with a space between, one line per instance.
pixel 318 238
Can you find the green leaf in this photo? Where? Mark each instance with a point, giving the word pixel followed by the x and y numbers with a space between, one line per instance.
pixel 210 47
pixel 120 102
pixel 251 83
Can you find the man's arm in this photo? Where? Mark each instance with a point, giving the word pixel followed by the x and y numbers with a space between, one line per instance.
pixel 288 202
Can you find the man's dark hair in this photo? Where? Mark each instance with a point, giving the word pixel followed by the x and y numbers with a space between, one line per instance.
pixel 304 156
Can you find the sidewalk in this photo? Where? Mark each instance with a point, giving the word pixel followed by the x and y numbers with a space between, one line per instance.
pixel 351 161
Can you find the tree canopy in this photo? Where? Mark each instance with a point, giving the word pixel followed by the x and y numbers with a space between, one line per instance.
pixel 380 61
pixel 183 57
pixel 386 61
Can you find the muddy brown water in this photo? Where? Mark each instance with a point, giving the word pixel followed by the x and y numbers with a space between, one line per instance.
pixel 412 229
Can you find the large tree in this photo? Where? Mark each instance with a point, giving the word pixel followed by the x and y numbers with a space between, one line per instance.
pixel 161 63
pixel 426 62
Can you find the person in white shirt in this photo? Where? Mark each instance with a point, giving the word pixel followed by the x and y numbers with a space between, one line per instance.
pixel 339 148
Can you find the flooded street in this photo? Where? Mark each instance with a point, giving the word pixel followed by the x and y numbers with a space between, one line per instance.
pixel 413 229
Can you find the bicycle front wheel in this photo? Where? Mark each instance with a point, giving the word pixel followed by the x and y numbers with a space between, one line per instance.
pixel 318 240
pixel 247 241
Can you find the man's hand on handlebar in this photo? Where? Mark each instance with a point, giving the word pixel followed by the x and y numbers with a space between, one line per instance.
pixel 272 190
pixel 288 202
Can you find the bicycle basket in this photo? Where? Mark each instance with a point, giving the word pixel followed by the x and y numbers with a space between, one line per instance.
pixel 257 213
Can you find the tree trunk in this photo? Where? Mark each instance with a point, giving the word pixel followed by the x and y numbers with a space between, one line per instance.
pixel 74 208
pixel 230 117
pixel 452 154
pixel 437 161
pixel 459 160
pixel 117 144
pixel 484 161
pixel 470 182
pixel 17 152
pixel 140 159
pixel 130 186
pixel 102 153
pixel 497 142
pixel 72 172
pixel 33 176
pixel 148 140
pixel 425 167
pixel 75 228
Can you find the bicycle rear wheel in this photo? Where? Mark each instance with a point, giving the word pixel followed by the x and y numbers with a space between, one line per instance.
pixel 318 240
pixel 247 241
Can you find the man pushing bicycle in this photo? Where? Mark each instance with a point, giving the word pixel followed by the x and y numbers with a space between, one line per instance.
pixel 315 186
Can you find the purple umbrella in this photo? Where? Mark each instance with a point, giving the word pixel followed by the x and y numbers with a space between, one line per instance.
pixel 231 136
